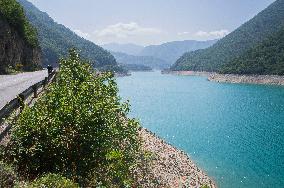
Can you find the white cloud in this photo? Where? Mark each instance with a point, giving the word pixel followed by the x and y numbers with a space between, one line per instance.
pixel 131 32
pixel 125 30
pixel 212 34
pixel 183 33
pixel 81 33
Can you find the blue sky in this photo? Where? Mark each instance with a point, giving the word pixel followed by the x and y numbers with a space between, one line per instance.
pixel 147 22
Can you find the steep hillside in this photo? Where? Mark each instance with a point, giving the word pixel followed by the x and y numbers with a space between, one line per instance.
pixel 235 44
pixel 55 40
pixel 131 49
pixel 265 58
pixel 171 51
pixel 148 61
pixel 19 48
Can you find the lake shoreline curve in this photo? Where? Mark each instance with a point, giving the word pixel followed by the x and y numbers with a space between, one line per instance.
pixel 233 78
pixel 172 167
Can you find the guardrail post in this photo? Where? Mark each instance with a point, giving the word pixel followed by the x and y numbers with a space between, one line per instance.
pixel 54 74
pixel 45 81
pixel 22 102
pixel 35 87
pixel 49 71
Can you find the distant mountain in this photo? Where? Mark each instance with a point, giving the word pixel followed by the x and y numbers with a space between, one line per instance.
pixel 148 61
pixel 171 51
pixel 19 48
pixel 265 58
pixel 237 43
pixel 55 40
pixel 131 49
pixel 135 67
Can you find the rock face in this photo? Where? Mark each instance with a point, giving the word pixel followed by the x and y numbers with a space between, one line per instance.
pixel 168 166
pixel 249 79
pixel 14 51
pixel 233 78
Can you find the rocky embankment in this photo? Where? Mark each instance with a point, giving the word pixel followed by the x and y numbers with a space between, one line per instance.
pixel 251 79
pixel 233 78
pixel 187 73
pixel 14 51
pixel 169 166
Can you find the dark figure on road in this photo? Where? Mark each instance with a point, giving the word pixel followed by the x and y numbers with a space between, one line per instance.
pixel 49 69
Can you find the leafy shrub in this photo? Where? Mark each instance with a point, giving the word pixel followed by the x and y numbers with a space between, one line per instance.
pixel 205 186
pixel 79 127
pixel 7 176
pixel 52 181
pixel 19 67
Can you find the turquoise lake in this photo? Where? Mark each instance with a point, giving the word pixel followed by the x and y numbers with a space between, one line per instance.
pixel 234 132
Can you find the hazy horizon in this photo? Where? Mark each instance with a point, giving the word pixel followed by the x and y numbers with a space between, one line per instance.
pixel 150 23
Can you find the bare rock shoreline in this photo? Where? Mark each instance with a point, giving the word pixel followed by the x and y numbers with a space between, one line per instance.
pixel 250 79
pixel 171 167
pixel 234 78
pixel 187 73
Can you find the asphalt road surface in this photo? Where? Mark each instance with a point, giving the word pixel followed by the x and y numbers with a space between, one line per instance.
pixel 12 85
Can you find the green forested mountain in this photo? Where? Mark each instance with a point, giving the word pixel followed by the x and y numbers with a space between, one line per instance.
pixel 19 49
pixel 171 51
pixel 148 61
pixel 266 58
pixel 234 45
pixel 55 40
pixel 13 13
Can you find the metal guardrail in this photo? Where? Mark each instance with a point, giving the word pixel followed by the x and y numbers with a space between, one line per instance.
pixel 18 102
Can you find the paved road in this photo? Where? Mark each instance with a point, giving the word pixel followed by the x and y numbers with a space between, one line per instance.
pixel 12 85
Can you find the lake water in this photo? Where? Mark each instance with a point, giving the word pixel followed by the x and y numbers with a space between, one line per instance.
pixel 234 132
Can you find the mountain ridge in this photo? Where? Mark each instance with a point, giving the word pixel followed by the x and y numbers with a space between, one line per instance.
pixel 148 61
pixel 265 58
pixel 55 40
pixel 235 44
pixel 171 51
pixel 155 56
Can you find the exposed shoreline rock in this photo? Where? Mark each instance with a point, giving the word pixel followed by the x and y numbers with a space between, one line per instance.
pixel 249 79
pixel 171 167
pixel 233 78
pixel 187 73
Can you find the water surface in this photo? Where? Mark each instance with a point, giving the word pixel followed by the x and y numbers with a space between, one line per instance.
pixel 234 132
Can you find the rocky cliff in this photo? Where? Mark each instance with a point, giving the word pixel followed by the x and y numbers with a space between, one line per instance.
pixel 15 52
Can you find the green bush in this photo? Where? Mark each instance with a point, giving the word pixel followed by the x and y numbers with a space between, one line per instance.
pixel 205 186
pixel 19 67
pixel 79 127
pixel 8 177
pixel 52 181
